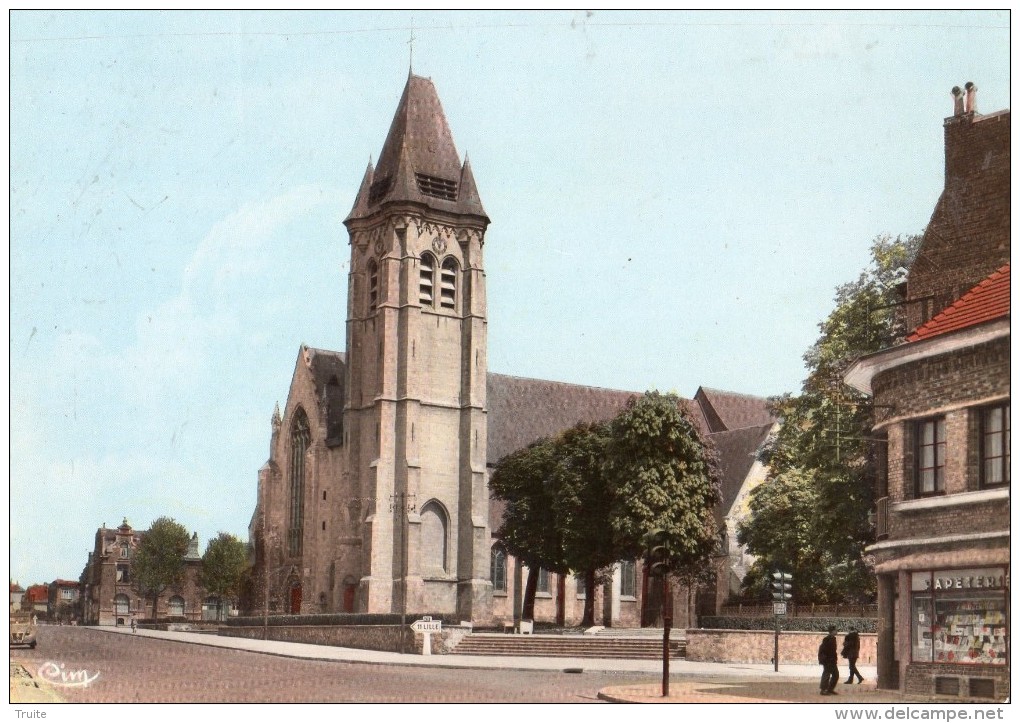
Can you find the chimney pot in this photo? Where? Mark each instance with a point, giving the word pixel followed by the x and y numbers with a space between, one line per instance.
pixel 957 100
pixel 970 103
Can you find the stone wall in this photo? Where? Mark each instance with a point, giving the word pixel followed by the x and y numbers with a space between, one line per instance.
pixel 757 646
pixel 921 679
pixel 387 638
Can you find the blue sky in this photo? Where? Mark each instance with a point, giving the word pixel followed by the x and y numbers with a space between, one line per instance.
pixel 674 198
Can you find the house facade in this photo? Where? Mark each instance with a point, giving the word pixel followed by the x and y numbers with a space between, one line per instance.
pixel 109 594
pixel 942 401
pixel 375 495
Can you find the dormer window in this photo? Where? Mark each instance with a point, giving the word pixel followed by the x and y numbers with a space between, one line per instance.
pixel 436 187
pixel 448 284
pixel 426 280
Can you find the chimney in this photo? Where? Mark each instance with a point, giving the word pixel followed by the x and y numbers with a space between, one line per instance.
pixel 970 103
pixel 957 100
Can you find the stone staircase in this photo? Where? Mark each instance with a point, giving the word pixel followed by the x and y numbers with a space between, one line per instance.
pixel 631 644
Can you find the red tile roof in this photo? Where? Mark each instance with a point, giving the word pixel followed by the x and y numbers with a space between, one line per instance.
pixel 987 301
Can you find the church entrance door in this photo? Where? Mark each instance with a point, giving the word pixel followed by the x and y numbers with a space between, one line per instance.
pixel 349 590
pixel 295 599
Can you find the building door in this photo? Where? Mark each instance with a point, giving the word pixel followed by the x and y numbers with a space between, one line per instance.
pixel 561 600
pixel 295 598
pixel 350 589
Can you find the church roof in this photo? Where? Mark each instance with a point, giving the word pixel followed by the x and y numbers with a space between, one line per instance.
pixel 737 450
pixel 987 301
pixel 419 161
pixel 725 411
pixel 324 365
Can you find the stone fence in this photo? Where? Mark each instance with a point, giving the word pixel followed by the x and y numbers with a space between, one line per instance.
pixel 389 638
pixel 757 646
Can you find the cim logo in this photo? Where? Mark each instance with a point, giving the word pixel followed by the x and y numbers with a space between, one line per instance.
pixel 55 674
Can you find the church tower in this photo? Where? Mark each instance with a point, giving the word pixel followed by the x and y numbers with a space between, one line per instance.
pixel 416 371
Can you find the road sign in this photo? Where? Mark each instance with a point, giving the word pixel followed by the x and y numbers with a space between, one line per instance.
pixel 779 608
pixel 427 626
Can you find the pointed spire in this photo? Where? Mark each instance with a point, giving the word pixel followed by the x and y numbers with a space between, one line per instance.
pixel 361 201
pixel 419 161
pixel 469 199
pixel 277 420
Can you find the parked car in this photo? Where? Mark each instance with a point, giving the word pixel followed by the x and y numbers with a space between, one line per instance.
pixel 23 629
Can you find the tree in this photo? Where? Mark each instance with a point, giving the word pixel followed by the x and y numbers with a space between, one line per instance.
pixel 159 559
pixel 529 530
pixel 665 478
pixel 223 567
pixel 822 461
pixel 584 506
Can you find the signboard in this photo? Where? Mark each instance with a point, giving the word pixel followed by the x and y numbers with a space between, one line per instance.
pixel 427 626
pixel 779 608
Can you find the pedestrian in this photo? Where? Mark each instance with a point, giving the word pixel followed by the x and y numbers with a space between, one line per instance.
pixel 828 660
pixel 852 651
pixel 133 626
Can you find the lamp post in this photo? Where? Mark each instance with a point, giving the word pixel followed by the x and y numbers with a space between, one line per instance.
pixel 403 503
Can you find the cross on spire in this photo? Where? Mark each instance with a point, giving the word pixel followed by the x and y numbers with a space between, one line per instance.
pixel 410 46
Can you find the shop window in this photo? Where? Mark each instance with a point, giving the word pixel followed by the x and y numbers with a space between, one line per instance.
pixel 931 456
pixel 959 617
pixel 995 446
pixel 497 564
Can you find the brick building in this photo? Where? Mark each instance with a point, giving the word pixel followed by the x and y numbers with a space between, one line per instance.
pixel 375 495
pixel 63 600
pixel 109 596
pixel 942 402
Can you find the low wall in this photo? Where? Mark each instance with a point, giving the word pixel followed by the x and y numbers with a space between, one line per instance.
pixel 388 638
pixel 758 646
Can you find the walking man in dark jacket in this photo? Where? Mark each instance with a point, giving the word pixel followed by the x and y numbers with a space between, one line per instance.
pixel 852 651
pixel 828 660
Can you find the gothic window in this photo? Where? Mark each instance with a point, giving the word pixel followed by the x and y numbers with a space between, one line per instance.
pixel 995 445
pixel 175 607
pixel 628 579
pixel 931 456
pixel 497 563
pixel 299 440
pixel 433 537
pixel 334 412
pixel 373 285
pixel 121 604
pixel 426 280
pixel 448 284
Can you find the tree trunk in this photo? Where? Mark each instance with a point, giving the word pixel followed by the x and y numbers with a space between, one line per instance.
pixel 589 599
pixel 528 609
pixel 155 606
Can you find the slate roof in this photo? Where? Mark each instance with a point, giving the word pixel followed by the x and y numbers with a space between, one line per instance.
pixel 419 161
pixel 737 450
pixel 724 411
pixel 325 365
pixel 522 411
pixel 987 301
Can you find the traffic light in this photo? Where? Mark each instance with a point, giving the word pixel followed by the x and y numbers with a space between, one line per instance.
pixel 658 553
pixel 782 583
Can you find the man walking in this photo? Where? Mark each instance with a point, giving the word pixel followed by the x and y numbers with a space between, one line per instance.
pixel 828 660
pixel 852 651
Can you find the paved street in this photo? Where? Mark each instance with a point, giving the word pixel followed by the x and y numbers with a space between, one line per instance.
pixel 143 669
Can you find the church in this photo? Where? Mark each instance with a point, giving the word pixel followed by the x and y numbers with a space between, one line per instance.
pixel 375 495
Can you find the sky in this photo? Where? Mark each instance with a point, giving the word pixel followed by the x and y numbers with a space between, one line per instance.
pixel 674 197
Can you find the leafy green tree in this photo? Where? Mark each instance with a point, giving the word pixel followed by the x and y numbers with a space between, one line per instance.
pixel 584 506
pixel 223 568
pixel 665 478
pixel 529 531
pixel 159 560
pixel 810 516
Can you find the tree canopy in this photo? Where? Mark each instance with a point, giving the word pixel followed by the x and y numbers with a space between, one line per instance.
pixel 159 559
pixel 223 567
pixel 810 516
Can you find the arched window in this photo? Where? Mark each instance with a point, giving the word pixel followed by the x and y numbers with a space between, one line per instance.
pixel 299 439
pixel 373 285
pixel 121 604
pixel 628 578
pixel 448 284
pixel 175 606
pixel 433 538
pixel 426 280
pixel 497 568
